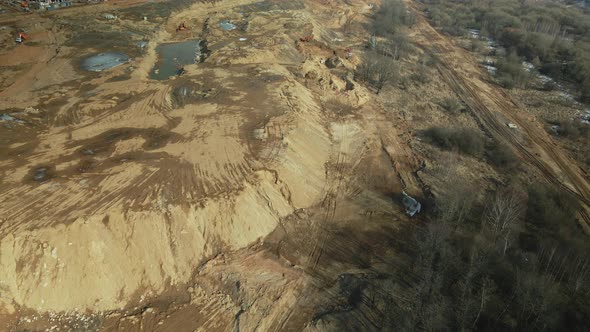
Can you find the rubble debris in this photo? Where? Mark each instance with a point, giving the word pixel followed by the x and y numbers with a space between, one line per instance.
pixel 349 83
pixel 307 38
pixel 333 62
pixel 181 27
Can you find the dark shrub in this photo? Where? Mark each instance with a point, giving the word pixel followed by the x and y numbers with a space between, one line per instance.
pixel 550 207
pixel 572 129
pixel 466 140
pixel 391 15
pixel 452 105
pixel 500 155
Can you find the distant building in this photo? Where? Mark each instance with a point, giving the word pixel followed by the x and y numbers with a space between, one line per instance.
pixel 47 4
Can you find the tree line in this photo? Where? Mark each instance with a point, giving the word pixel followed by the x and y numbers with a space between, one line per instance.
pixel 514 260
pixel 387 45
pixel 554 34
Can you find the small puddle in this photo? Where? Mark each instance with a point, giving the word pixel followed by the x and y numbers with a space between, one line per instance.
pixel 227 26
pixel 6 117
pixel 41 174
pixel 174 56
pixel 104 61
pixel 10 118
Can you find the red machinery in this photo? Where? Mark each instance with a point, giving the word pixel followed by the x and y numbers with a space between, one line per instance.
pixel 21 37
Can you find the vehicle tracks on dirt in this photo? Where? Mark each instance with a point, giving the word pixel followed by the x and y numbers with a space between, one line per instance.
pixel 489 104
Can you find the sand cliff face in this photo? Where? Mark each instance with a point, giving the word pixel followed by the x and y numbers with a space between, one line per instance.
pixel 202 193
pixel 166 187
pixel 118 190
pixel 259 191
pixel 101 261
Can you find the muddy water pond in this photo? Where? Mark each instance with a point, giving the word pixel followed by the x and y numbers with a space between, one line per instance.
pixel 104 61
pixel 172 57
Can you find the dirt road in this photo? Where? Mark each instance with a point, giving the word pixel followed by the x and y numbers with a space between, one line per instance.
pixel 494 109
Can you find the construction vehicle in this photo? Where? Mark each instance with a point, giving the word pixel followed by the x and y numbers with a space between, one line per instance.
pixel 25 6
pixel 21 38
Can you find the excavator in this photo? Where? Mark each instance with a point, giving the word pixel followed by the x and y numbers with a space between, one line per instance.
pixel 21 37
pixel 25 6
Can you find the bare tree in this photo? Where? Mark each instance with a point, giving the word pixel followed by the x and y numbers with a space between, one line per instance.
pixel 579 280
pixel 377 70
pixel 387 71
pixel 486 290
pixel 503 216
pixel 537 296
pixel 426 308
pixel 474 291
pixel 391 15
pixel 567 268
pixel 456 204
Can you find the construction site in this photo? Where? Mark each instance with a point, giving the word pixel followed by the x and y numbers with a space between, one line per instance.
pixel 220 166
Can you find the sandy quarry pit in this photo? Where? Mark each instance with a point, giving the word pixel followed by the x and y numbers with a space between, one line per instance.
pixel 118 190
pixel 257 191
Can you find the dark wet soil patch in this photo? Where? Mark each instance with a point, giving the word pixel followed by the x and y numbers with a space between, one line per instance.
pixel 102 40
pixel 85 165
pixel 104 61
pixel 18 140
pixel 105 142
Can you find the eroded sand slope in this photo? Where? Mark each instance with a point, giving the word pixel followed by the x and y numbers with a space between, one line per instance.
pixel 138 188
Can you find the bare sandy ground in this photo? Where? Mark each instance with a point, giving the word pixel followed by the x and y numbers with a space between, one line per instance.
pixel 139 191
pixel 245 205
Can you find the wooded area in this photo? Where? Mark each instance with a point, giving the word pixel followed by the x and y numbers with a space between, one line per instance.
pixel 556 36
pixel 513 259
